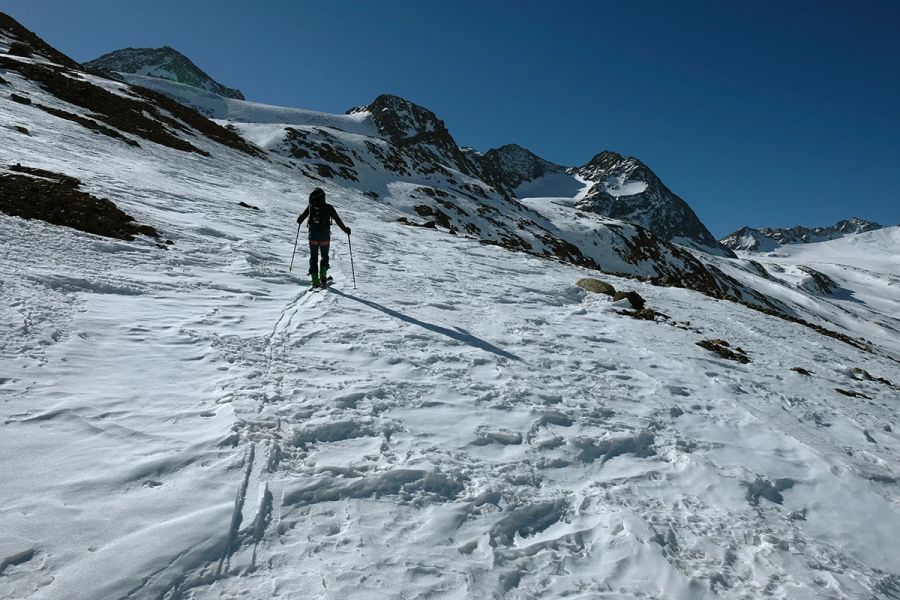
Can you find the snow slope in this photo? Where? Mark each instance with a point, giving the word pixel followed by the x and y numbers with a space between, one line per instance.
pixel 464 423
pixel 864 270
pixel 219 107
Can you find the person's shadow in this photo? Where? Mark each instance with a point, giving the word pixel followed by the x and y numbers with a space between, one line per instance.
pixel 456 333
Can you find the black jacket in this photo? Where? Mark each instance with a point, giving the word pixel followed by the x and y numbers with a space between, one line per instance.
pixel 331 214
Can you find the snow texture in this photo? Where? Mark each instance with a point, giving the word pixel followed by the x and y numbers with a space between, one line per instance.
pixel 464 423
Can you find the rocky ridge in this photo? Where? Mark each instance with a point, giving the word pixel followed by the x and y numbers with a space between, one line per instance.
pixel 766 239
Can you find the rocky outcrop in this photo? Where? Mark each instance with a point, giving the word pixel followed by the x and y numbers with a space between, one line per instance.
pixel 164 63
pixel 56 198
pixel 509 166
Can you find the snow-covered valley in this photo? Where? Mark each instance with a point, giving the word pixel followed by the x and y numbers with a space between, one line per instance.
pixel 464 422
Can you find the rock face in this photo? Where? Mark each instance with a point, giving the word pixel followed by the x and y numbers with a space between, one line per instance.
pixel 165 63
pixel 509 166
pixel 767 239
pixel 417 131
pixel 625 188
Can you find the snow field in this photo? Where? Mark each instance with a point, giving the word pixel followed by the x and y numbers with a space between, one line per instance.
pixel 466 423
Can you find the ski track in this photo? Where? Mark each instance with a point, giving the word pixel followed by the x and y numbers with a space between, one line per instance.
pixel 466 423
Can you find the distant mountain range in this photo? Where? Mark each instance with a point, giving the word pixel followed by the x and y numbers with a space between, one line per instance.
pixel 617 187
pixel 766 239
pixel 164 63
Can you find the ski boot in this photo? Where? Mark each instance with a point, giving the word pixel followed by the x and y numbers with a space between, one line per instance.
pixel 315 279
pixel 323 277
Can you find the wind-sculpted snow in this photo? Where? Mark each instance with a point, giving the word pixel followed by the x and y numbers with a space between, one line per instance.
pixel 466 423
pixel 403 482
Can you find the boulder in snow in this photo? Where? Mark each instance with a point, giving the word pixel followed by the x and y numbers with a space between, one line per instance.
pixel 595 285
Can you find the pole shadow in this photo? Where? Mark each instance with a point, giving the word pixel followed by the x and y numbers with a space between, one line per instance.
pixel 457 334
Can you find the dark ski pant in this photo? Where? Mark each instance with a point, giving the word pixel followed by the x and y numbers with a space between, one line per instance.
pixel 315 246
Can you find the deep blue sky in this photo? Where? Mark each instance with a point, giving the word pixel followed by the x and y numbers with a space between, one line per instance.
pixel 767 112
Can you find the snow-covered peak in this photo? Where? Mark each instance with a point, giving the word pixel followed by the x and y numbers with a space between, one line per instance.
pixel 164 63
pixel 767 239
pixel 625 188
pixel 618 175
pixel 747 239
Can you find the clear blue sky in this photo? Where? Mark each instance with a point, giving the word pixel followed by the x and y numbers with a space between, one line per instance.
pixel 763 112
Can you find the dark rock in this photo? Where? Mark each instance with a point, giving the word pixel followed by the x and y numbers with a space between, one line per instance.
pixel 763 488
pixel 802 371
pixel 20 99
pixel 595 285
pixel 245 205
pixel 646 314
pixel 21 129
pixel 89 124
pixel 675 412
pixel 721 347
pixel 852 393
pixel 61 178
pixel 56 199
pixel 637 302
pixel 869 437
pixel 20 49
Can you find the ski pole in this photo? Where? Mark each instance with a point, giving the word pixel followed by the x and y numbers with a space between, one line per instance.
pixel 352 269
pixel 291 268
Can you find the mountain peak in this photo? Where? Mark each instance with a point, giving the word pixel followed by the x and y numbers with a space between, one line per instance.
pixel 401 120
pixel 165 63
pixel 511 165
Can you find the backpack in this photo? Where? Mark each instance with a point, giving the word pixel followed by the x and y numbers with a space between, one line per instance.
pixel 318 214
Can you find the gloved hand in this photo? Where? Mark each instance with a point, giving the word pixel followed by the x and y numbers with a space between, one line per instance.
pixel 299 221
pixel 347 231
